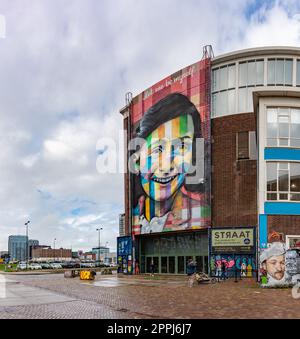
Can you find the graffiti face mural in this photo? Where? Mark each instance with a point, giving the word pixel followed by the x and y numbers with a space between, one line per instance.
pixel 279 264
pixel 273 263
pixel 166 158
pixel 163 198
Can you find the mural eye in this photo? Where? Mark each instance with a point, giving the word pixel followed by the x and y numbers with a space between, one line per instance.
pixel 157 150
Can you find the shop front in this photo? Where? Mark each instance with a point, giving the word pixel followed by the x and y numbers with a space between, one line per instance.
pixel 236 248
pixel 170 252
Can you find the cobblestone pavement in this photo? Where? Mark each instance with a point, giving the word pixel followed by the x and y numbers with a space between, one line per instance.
pixel 144 297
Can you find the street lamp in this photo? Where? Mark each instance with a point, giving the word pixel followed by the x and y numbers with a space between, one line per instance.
pixel 99 230
pixel 54 249
pixel 27 243
pixel 106 251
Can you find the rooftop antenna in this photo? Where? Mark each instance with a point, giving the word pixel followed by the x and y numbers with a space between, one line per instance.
pixel 208 52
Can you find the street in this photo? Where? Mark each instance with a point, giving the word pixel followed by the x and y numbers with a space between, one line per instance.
pixel 131 297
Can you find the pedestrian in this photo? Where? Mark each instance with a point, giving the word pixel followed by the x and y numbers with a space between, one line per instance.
pixel 190 271
pixel 223 269
pixel 137 267
pixel 152 268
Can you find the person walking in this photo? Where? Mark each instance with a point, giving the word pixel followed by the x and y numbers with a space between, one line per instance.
pixel 152 268
pixel 190 271
pixel 223 269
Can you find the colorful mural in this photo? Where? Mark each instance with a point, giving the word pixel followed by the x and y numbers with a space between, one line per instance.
pixel 244 264
pixel 171 185
pixel 279 263
pixel 124 255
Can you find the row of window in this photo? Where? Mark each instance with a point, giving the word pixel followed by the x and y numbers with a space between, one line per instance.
pixel 226 86
pixel 283 181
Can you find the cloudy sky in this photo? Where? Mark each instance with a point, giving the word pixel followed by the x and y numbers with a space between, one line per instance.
pixel 65 66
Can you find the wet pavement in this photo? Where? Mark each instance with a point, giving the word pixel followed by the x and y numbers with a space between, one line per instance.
pixel 144 297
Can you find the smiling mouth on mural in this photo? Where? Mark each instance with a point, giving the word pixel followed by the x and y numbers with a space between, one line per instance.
pixel 164 180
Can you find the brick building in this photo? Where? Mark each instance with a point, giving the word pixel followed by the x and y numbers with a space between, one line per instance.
pixel 248 208
pixel 46 253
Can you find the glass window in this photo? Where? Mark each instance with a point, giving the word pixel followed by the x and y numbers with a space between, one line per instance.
pixel 271 72
pixel 283 127
pixel 223 83
pixel 251 73
pixel 283 181
pixel 180 265
pixel 260 72
pixel 222 101
pixel 231 76
pixel 295 128
pixel 243 74
pixel 231 101
pixel 288 72
pixel 279 78
pixel 215 81
pixel 298 73
pixel 250 100
pixel 272 177
pixel 295 177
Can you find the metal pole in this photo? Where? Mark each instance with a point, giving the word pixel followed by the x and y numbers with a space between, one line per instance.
pixel 27 245
pixel 54 249
pixel 99 229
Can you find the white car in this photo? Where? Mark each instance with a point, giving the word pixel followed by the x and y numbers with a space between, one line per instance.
pixel 22 266
pixel 35 267
pixel 55 266
pixel 88 264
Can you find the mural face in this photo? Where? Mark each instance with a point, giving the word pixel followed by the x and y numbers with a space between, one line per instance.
pixel 279 266
pixel 166 158
pixel 173 120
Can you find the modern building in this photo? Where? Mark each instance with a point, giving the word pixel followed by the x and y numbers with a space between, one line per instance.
pixel 17 245
pixel 122 225
pixel 244 207
pixel 104 251
pixel 46 253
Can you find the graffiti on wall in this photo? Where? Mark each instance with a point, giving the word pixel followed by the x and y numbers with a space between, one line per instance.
pixel 279 262
pixel 244 264
pixel 171 185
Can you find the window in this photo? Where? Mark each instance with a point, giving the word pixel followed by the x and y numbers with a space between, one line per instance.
pixel 298 73
pixel 251 74
pixel 223 90
pixel 246 145
pixel 280 72
pixel 283 127
pixel 283 181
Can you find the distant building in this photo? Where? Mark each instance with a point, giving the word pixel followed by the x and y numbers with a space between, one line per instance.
pixel 17 245
pixel 111 258
pixel 104 251
pixel 88 256
pixel 122 225
pixel 47 253
pixel 31 245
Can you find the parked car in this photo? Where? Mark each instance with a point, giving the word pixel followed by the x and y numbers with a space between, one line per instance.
pixel 35 266
pixel 45 265
pixel 21 266
pixel 55 266
pixel 88 264
pixel 69 264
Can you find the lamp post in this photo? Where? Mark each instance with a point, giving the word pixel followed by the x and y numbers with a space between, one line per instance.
pixel 54 249
pixel 99 230
pixel 106 252
pixel 27 243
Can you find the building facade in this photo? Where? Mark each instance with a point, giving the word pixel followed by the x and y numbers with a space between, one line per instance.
pixel 122 225
pixel 245 208
pixel 17 247
pixel 46 253
pixel 103 251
